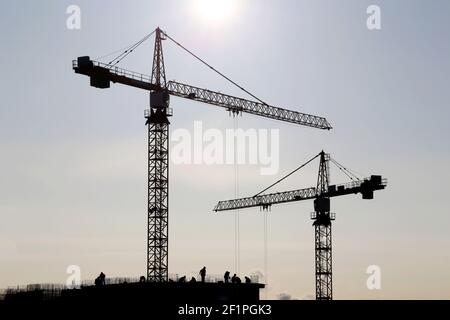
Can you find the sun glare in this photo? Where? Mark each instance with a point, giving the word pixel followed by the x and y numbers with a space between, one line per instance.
pixel 214 10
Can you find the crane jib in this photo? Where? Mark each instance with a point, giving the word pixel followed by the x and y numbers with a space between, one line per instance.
pixel 366 187
pixel 101 75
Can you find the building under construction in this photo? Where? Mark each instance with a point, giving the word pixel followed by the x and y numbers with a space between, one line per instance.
pixel 128 292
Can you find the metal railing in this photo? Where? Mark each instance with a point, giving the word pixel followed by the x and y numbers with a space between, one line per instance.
pixel 118 71
pixel 357 183
pixel 169 112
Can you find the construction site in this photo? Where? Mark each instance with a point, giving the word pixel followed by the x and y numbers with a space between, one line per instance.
pixel 157 285
pixel 231 160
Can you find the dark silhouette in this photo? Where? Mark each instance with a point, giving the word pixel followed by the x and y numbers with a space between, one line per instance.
pixel 119 295
pixel 203 273
pixel 226 276
pixel 182 279
pixel 193 280
pixel 142 279
pixel 248 280
pixel 100 280
pixel 235 279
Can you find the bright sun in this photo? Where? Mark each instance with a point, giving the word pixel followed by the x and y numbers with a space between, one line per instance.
pixel 214 10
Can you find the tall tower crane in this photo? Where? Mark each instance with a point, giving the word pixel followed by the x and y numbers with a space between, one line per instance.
pixel 157 119
pixel 322 216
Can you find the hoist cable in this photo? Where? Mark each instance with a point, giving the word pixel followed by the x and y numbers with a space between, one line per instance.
pixel 289 174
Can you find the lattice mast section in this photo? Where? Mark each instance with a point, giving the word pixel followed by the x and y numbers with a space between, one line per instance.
pixel 158 170
pixel 322 232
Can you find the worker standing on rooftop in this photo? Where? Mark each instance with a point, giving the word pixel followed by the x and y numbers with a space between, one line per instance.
pixel 203 273
pixel 226 276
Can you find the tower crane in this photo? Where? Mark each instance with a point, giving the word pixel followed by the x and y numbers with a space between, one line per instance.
pixel 157 119
pixel 322 216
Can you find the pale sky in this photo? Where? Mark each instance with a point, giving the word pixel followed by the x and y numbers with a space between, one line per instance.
pixel 73 158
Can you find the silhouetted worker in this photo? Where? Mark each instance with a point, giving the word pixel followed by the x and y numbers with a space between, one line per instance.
pixel 233 278
pixel 100 280
pixel 226 276
pixel 203 273
pixel 182 279
pixel 142 279
pixel 248 280
pixel 238 280
pixel 193 279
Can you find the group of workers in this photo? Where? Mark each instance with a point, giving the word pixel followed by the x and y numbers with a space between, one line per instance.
pixel 100 280
pixel 226 277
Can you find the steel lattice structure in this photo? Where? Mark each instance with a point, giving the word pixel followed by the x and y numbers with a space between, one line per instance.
pixel 158 172
pixel 322 232
pixel 266 200
pixel 158 199
pixel 323 261
pixel 236 104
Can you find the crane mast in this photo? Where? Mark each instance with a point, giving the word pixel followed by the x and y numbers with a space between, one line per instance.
pixel 322 232
pixel 158 171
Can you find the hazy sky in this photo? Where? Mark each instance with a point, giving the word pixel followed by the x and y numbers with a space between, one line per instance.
pixel 73 158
